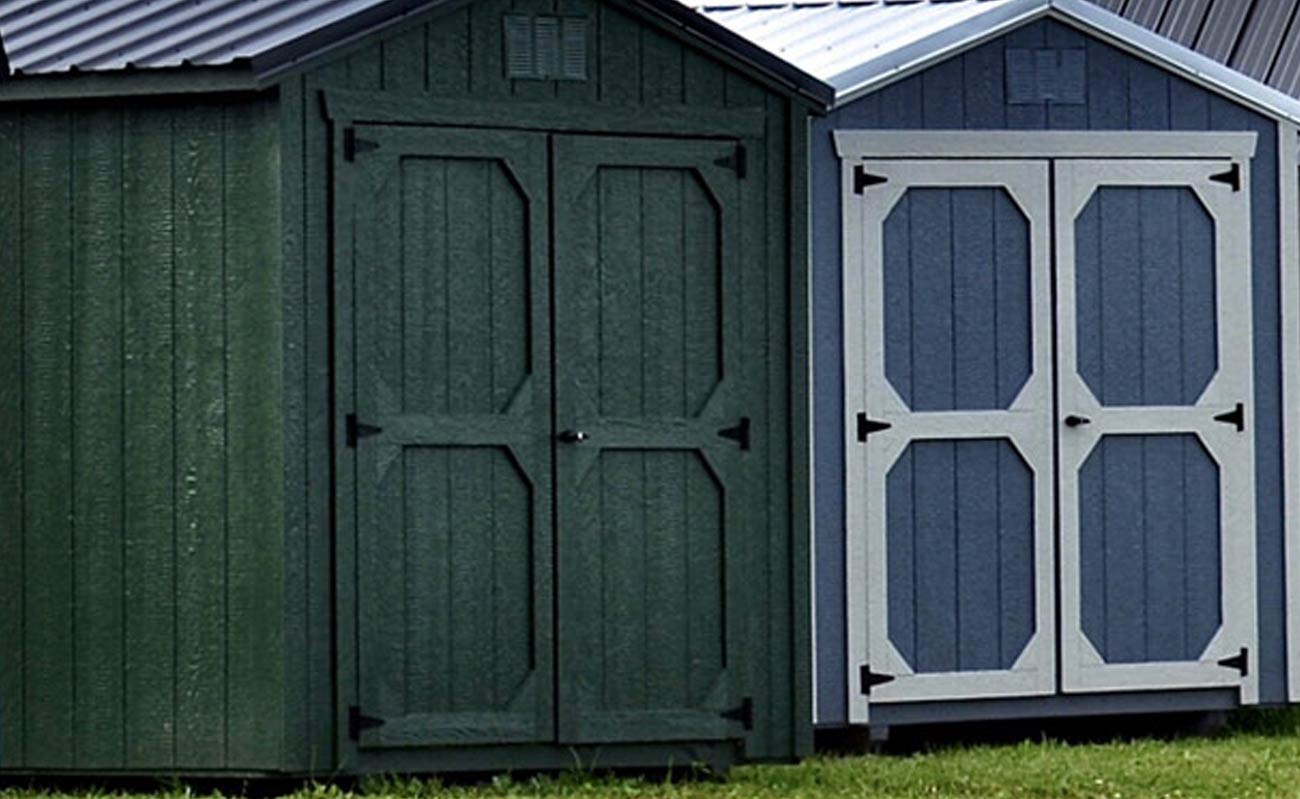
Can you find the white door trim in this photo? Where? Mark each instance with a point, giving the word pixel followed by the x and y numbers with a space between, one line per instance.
pixel 857 145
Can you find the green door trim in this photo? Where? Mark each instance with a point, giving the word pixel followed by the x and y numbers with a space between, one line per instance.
pixel 349 107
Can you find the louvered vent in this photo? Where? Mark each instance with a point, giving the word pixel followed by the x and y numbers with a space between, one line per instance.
pixel 545 47
pixel 1046 75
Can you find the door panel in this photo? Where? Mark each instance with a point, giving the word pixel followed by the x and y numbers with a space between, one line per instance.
pixel 650 495
pixel 947 331
pixel 1157 500
pixel 453 464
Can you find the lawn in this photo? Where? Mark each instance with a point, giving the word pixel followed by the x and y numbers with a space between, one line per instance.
pixel 1258 757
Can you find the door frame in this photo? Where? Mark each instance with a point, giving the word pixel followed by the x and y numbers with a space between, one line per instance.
pixel 853 147
pixel 344 109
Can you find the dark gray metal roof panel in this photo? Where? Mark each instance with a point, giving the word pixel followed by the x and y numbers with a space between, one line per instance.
pixel 1222 27
pixel 1286 69
pixel 1146 13
pixel 1183 20
pixel 1263 37
pixel 46 36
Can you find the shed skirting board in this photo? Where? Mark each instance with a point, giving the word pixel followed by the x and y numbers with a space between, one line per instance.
pixel 1043 144
pixel 1288 135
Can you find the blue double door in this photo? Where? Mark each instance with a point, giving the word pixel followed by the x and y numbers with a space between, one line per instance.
pixel 1050 470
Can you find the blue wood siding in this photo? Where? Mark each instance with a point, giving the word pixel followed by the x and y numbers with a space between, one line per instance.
pixel 1144 291
pixel 961 556
pixel 1169 484
pixel 957 306
pixel 966 93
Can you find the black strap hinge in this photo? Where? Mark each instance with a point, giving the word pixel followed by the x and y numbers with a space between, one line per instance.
pixel 358 430
pixel 1232 177
pixel 863 179
pixel 1239 661
pixel 354 145
pixel 738 161
pixel 739 433
pixel 743 714
pixel 359 722
pixel 869 679
pixel 1235 417
pixel 868 426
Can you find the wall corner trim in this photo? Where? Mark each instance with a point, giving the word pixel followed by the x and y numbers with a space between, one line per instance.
pixel 1289 286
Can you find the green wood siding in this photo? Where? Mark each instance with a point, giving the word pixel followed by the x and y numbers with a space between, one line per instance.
pixel 140 383
pixel 633 66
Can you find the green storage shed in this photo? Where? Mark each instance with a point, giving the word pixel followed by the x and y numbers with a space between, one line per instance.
pixel 399 386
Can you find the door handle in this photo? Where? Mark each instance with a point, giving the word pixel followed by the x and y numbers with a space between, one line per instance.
pixel 572 436
pixel 1074 420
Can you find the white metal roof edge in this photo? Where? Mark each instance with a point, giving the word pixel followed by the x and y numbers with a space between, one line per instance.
pixel 877 72
pixel 1129 36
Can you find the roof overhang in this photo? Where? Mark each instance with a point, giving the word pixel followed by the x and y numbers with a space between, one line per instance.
pixel 268 67
pixel 751 55
pixel 1086 16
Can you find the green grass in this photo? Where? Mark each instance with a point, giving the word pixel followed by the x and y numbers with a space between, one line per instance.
pixel 1259 756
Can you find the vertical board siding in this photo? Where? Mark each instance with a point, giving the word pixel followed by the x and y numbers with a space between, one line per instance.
pixel 48 489
pixel 957 305
pixel 119 253
pixel 960 532
pixel 253 467
pixel 1147 312
pixel 1170 485
pixel 12 477
pixel 630 64
pixel 1124 93
pixel 97 474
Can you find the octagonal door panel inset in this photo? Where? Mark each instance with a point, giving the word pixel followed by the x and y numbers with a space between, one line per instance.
pixel 447 266
pixel 947 337
pixel 1156 427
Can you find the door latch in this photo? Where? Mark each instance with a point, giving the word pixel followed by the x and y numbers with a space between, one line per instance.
pixel 1074 420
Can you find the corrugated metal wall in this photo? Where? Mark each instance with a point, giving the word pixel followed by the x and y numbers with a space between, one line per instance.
pixel 140 530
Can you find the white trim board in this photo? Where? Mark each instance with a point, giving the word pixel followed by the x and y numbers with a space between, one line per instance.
pixel 875 73
pixel 930 145
pixel 1288 136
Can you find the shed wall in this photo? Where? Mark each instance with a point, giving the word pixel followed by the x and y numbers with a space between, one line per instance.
pixel 140 355
pixel 632 65
pixel 967 92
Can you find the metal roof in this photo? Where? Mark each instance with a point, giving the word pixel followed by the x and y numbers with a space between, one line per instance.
pixel 1250 48
pixel 44 37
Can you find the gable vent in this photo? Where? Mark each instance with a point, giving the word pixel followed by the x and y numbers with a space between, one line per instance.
pixel 545 47
pixel 1046 75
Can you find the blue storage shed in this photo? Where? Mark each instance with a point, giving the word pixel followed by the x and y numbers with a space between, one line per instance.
pixel 1054 264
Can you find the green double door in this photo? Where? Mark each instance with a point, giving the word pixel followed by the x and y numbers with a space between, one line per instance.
pixel 545 437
